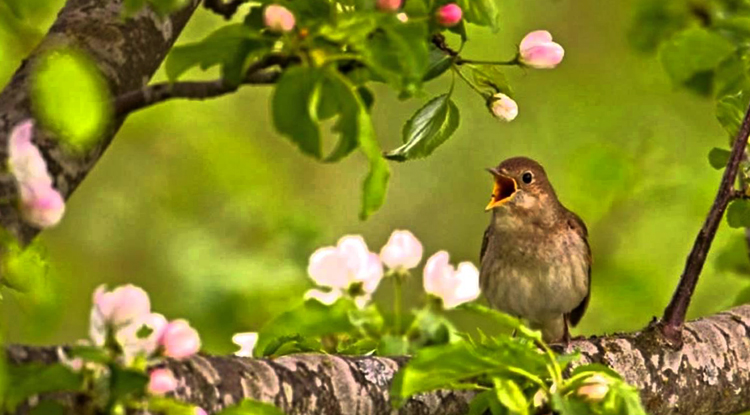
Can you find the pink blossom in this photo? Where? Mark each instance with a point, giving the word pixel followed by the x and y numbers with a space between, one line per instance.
pixel 537 50
pixel 278 18
pixel 40 204
pixel 449 15
pixel 132 344
pixel 161 381
pixel 403 250
pixel 180 340
pixel 247 342
pixel 117 308
pixel 349 262
pixel 503 107
pixel 200 411
pixel 453 286
pixel 389 5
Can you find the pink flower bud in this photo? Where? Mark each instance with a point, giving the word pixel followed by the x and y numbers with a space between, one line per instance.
pixel 278 18
pixel 180 340
pixel 161 381
pixel 453 286
pixel 594 389
pixel 200 411
pixel 403 250
pixel 449 15
pixel 389 5
pixel 41 205
pixel 503 107
pixel 537 50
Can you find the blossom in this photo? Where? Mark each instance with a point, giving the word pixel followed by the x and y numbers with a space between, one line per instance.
pixel 117 308
pixel 388 5
pixel 402 17
pixel 161 381
pixel 537 50
pixel 247 342
pixel 595 388
pixel 278 18
pixel 200 411
pixel 403 250
pixel 179 340
pixel 141 336
pixel 449 15
pixel 341 267
pixel 40 204
pixel 503 107
pixel 453 286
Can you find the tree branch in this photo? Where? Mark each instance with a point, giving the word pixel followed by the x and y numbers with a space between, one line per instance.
pixel 127 51
pixel 674 315
pixel 227 9
pixel 709 375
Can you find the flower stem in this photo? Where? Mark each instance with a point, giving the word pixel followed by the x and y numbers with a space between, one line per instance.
pixel 512 62
pixel 397 297
pixel 468 82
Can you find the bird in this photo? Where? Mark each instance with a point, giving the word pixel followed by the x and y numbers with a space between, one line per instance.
pixel 535 260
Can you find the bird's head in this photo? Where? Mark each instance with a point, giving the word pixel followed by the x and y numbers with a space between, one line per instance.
pixel 521 187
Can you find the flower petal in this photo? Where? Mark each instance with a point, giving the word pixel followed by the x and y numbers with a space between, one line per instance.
pixel 403 250
pixel 535 38
pixel 435 272
pixel 328 268
pixel 325 297
pixel 247 342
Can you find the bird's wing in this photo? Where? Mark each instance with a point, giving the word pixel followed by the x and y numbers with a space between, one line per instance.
pixel 485 241
pixel 577 225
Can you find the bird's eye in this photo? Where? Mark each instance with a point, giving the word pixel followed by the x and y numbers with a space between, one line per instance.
pixel 527 177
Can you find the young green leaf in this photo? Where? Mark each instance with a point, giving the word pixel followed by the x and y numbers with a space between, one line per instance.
pixel 481 12
pixel 398 53
pixel 294 114
pixel 126 382
pixel 294 343
pixel 71 98
pixel 438 63
pixel 427 129
pixel 393 345
pixel 33 379
pixel 311 319
pixel 511 396
pixel 491 79
pixel 743 297
pixel 718 157
pixel 730 111
pixel 738 214
pixel 694 51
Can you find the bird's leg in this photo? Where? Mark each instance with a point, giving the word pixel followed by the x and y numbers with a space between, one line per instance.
pixel 566 331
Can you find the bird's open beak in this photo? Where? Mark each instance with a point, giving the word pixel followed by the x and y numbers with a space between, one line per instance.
pixel 505 187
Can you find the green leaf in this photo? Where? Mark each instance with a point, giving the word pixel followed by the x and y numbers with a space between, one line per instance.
pixel 694 51
pixel 718 157
pixel 656 21
pixel 90 354
pixel 481 12
pixel 439 62
pixel 427 129
pixel 730 111
pixel 294 343
pixel 431 328
pixel 168 406
pixel 743 297
pixel 511 396
pixel 48 407
pixel 391 345
pixel 358 347
pixel 398 53
pixel 24 269
pixel 491 79
pixel 368 321
pixel 481 403
pixel 293 112
pixel 738 214
pixel 71 98
pixel 34 379
pixel 502 318
pixel 251 407
pixel 566 406
pixel 229 46
pixel 126 382
pixel 311 319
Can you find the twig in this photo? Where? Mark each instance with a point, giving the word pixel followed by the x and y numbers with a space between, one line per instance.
pixel 227 9
pixel 258 73
pixel 674 315
pixel 439 41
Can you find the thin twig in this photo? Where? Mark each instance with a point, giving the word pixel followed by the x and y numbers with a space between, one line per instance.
pixel 227 9
pixel 674 315
pixel 259 73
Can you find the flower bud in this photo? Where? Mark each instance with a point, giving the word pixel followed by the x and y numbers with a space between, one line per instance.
pixel 449 15
pixel 41 205
pixel 388 5
pixel 180 340
pixel 403 250
pixel 503 107
pixel 537 50
pixel 594 389
pixel 161 381
pixel 278 18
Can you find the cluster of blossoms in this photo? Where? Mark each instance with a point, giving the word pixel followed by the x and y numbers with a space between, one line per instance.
pixel 40 204
pixel 349 268
pixel 122 323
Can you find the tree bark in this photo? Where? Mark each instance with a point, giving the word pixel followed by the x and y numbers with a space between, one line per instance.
pixel 127 51
pixel 710 374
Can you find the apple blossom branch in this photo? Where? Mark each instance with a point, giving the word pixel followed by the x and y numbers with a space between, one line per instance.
pixel 707 376
pixel 671 323
pixel 224 8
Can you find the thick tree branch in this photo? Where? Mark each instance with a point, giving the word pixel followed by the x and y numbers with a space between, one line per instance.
pixel 709 375
pixel 226 9
pixel 674 314
pixel 127 51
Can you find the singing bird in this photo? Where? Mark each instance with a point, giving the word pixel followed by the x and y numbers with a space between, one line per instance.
pixel 535 258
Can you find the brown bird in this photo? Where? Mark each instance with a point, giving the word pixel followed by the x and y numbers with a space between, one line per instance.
pixel 535 259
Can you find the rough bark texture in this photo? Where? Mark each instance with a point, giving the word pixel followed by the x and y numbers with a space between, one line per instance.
pixel 710 374
pixel 127 51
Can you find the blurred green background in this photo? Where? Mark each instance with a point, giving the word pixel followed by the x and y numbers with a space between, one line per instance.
pixel 214 214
